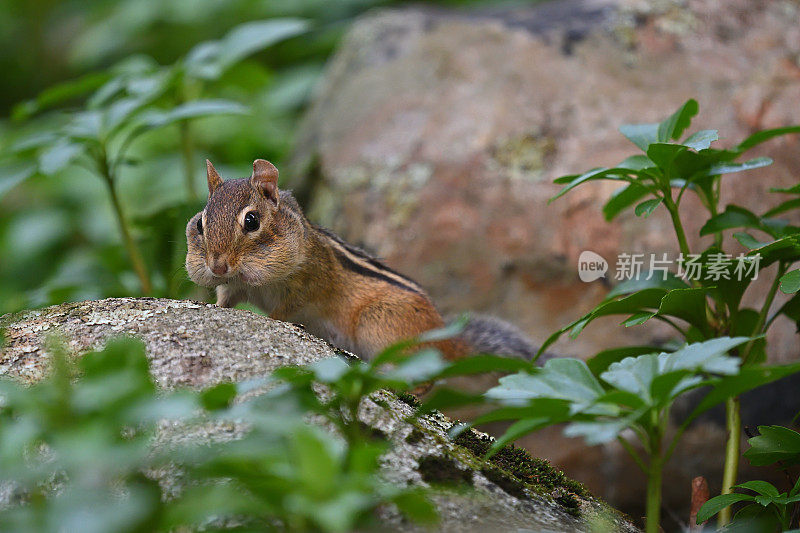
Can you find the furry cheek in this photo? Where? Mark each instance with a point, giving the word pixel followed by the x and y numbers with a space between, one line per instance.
pixel 198 271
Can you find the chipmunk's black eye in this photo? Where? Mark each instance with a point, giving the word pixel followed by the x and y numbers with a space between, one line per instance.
pixel 200 225
pixel 251 221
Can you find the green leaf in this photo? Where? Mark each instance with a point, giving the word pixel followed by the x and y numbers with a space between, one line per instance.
pixel 674 126
pixel 694 166
pixel 422 366
pixel 748 378
pixel 657 378
pixel 60 93
pixel 481 364
pixel 789 205
pixel 733 217
pixel 597 432
pixel 562 378
pixel 316 463
pixel 718 503
pixel 686 304
pixel 647 207
pixel 58 156
pixel 118 114
pixel 783 249
pixel 790 282
pixel 794 189
pixel 602 173
pixel 602 360
pixel 192 110
pixel 623 198
pixel 708 356
pixel 641 282
pixel 416 507
pixel 13 175
pixel 663 154
pixel 634 374
pixel 446 398
pixel 85 126
pixel 637 162
pixel 649 298
pixel 392 353
pixel 218 397
pixel 760 487
pixel 330 369
pixel 642 135
pixel 210 60
pixel 637 319
pixel 701 140
pixel 791 309
pixel 765 135
pixel 727 168
pixel 517 430
pixel 666 387
pixel 775 443
pixel 449 331
pixel 748 241
pixel 556 410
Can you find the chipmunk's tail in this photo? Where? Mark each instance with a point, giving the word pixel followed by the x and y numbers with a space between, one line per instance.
pixel 489 334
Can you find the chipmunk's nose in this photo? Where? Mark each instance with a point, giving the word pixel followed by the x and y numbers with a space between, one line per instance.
pixel 219 265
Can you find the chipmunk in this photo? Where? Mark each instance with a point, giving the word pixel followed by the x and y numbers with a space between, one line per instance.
pixel 253 243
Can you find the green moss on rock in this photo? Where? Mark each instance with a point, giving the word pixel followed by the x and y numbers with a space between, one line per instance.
pixel 415 436
pixel 509 484
pixel 408 399
pixel 438 470
pixel 569 502
pixel 515 469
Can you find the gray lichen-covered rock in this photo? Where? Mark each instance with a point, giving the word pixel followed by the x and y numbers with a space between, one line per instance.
pixel 198 345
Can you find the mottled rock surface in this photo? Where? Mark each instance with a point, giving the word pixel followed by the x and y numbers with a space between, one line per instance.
pixel 198 345
pixel 436 135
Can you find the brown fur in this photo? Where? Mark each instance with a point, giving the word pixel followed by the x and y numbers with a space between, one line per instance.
pixel 298 272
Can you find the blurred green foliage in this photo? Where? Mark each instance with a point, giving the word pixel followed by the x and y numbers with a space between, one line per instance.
pixel 59 232
pixel 95 446
pixel 77 453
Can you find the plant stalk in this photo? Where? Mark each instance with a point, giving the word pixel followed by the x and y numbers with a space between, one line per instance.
pixel 683 244
pixel 130 245
pixel 733 422
pixel 654 473
pixel 762 316
pixel 653 509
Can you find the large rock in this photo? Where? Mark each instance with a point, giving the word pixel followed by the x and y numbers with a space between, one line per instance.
pixel 435 137
pixel 191 344
pixel 436 134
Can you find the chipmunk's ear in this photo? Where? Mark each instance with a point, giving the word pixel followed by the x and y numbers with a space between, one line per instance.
pixel 214 181
pixel 265 179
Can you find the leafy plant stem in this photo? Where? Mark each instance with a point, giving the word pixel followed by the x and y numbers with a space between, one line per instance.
pixel 130 245
pixel 731 468
pixel 632 452
pixel 654 473
pixel 713 203
pixel 675 440
pixel 762 315
pixel 732 406
pixel 676 223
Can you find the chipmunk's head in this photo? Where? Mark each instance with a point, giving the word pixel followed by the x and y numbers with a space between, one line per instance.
pixel 244 235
